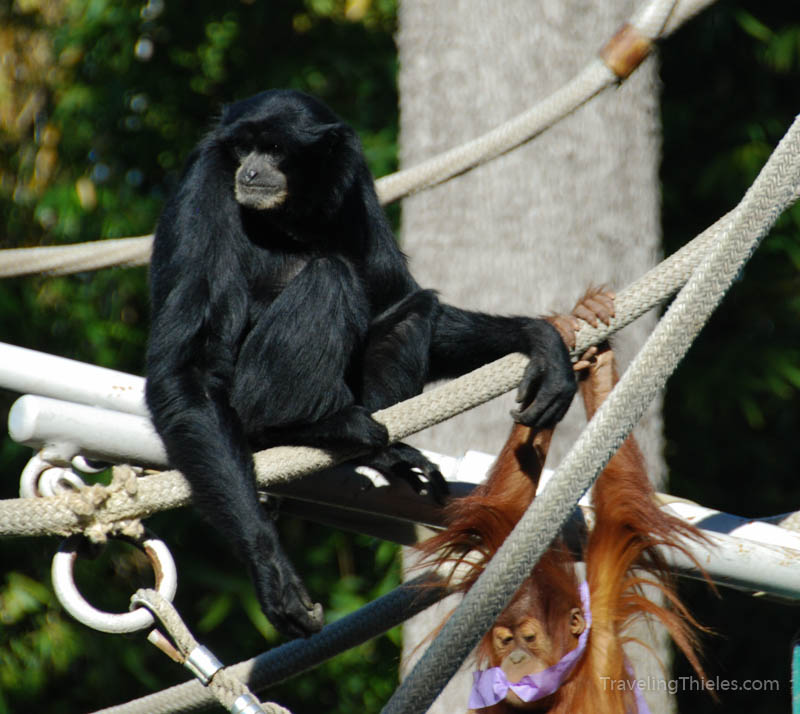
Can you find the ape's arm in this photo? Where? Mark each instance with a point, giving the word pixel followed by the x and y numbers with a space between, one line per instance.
pixel 464 340
pixel 199 311
pixel 187 393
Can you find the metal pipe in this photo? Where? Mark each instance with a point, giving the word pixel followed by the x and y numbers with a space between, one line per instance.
pixel 100 434
pixel 746 554
pixel 31 372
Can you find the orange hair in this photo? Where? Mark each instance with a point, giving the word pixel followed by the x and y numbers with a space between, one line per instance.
pixel 622 554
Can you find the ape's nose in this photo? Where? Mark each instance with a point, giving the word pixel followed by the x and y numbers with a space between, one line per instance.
pixel 517 656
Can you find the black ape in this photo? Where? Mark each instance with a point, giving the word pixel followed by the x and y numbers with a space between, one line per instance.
pixel 284 313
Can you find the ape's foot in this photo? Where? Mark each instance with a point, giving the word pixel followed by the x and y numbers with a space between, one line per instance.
pixel 405 462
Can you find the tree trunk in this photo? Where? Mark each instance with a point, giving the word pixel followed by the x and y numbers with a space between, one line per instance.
pixel 529 232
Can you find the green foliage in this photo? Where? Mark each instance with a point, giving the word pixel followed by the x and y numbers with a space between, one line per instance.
pixel 732 411
pixel 36 642
pixel 100 102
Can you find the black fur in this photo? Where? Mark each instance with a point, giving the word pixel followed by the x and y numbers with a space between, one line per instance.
pixel 290 325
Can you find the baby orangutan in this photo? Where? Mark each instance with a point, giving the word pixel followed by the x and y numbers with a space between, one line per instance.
pixel 558 646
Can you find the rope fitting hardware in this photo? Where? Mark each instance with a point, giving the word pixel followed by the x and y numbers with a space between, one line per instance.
pixel 246 704
pixel 166 583
pixel 228 689
pixel 202 663
pixel 41 477
pixel 626 50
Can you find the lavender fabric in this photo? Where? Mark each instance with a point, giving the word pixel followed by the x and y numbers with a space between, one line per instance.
pixel 491 685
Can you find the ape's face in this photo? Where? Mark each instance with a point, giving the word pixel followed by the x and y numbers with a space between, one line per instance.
pixel 289 153
pixel 260 183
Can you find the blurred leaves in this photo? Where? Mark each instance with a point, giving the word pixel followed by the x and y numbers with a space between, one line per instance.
pixel 732 410
pixel 100 102
pixel 36 642
pixel 779 51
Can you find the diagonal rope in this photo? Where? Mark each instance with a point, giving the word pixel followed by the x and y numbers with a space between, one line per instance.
pixel 657 19
pixel 70 513
pixel 299 655
pixel 220 681
pixel 774 189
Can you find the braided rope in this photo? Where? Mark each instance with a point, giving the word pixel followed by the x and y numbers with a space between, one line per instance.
pixel 225 686
pixel 66 259
pixel 299 655
pixel 658 18
pixel 592 80
pixel 68 513
pixel 774 189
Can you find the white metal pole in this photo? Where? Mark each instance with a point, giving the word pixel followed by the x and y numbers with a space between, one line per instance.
pixel 28 371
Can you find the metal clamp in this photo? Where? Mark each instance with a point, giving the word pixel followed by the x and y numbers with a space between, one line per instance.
pixel 166 583
pixel 202 663
pixel 246 704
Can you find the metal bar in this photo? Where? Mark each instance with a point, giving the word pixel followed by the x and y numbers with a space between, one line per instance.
pixel 31 372
pixel 746 554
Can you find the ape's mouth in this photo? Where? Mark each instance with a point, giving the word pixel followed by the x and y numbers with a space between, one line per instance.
pixel 260 197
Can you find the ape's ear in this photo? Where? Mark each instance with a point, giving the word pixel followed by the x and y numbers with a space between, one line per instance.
pixel 576 622
pixel 333 135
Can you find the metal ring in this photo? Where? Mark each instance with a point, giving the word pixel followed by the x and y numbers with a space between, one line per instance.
pixel 59 480
pixel 29 480
pixel 166 583
pixel 41 478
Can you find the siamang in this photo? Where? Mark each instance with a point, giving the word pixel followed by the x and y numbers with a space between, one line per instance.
pixel 283 312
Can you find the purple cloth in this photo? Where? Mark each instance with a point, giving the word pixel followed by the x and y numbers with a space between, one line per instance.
pixel 491 685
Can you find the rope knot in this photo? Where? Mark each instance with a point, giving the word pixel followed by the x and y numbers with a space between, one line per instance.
pixel 89 504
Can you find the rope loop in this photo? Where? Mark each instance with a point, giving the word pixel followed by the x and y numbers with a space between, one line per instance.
pixel 166 583
pixel 228 689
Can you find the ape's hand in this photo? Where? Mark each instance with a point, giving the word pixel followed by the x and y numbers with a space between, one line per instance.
pixel 280 591
pixel 597 375
pixel 548 386
pixel 594 307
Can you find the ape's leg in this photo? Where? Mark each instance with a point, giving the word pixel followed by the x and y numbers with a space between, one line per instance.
pixel 292 382
pixel 395 368
pixel 205 440
pixel 352 426
pixel 396 355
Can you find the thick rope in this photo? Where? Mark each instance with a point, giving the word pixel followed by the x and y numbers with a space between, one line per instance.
pixel 66 259
pixel 593 79
pixel 222 683
pixel 68 513
pixel 299 655
pixel 774 189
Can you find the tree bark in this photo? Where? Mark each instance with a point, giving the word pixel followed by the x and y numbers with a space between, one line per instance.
pixel 529 232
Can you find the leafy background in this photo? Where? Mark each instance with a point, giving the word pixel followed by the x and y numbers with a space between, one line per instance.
pixel 99 103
